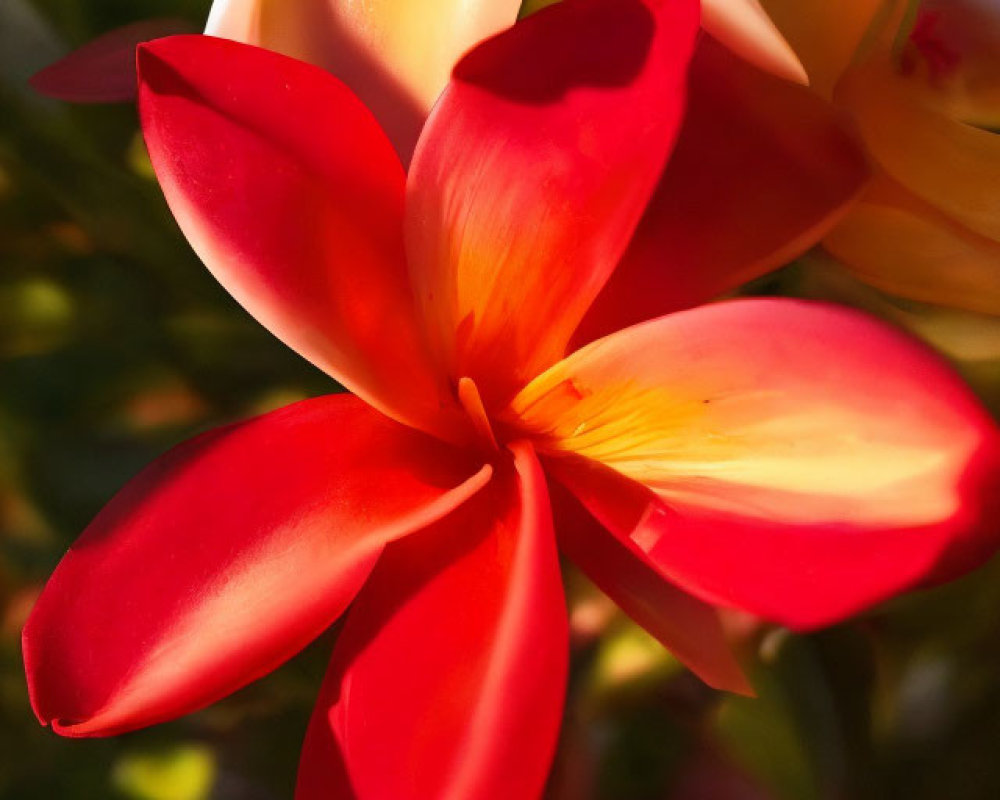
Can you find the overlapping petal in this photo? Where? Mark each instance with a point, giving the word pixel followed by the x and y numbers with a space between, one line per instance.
pixel 225 557
pixel 689 628
pixel 949 163
pixel 531 175
pixel 803 461
pixel 103 70
pixel 958 42
pixel 292 196
pixel 395 54
pixel 903 245
pixel 746 29
pixel 762 170
pixel 448 678
pixel 920 81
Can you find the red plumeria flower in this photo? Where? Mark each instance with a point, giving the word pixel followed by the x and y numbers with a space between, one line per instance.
pixel 797 461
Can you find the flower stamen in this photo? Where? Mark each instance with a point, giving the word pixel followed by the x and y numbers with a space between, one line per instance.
pixel 468 396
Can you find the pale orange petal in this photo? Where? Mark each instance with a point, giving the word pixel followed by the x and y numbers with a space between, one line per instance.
pixel 395 54
pixel 902 245
pixel 746 29
pixel 949 163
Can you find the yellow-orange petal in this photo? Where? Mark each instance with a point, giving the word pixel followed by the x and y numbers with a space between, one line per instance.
pixel 791 446
pixel 952 165
pixel 395 54
pixel 898 243
pixel 825 35
pixel 783 409
pixel 746 29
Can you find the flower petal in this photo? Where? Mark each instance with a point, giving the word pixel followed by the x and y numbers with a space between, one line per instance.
pixel 686 626
pixel 745 135
pixel 395 54
pixel 103 70
pixel 292 196
pixel 902 245
pixel 531 175
pixel 806 461
pixel 448 678
pixel 225 557
pixel 825 36
pixel 958 42
pixel 950 164
pixel 746 29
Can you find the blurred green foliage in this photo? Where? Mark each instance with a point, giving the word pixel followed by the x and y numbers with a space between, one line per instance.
pixel 116 343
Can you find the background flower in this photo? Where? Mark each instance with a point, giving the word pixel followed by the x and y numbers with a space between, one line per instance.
pixel 920 82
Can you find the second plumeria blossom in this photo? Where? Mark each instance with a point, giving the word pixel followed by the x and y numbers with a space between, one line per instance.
pixel 921 81
pixel 797 461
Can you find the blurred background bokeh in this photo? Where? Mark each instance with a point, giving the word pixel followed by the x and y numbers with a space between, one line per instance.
pixel 116 344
